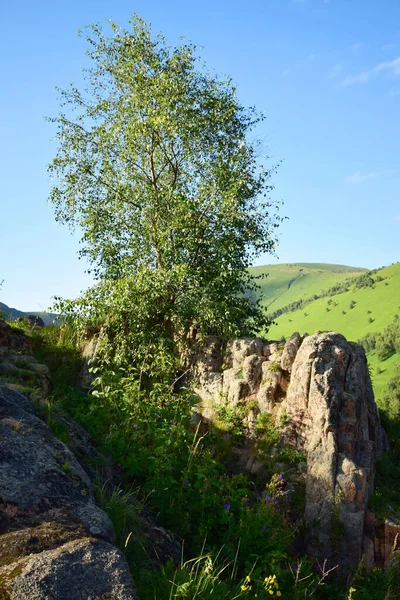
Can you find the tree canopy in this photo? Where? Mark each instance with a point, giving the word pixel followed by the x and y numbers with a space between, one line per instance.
pixel 156 167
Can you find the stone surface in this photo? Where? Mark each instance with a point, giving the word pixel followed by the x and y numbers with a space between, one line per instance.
pixel 84 569
pixel 319 386
pixel 12 340
pixel 34 320
pixel 39 475
pixel 55 542
pixel 333 418
pixel 290 351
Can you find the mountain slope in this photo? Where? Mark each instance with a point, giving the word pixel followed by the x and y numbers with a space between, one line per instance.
pixel 10 314
pixel 374 309
pixel 291 282
pixel 353 313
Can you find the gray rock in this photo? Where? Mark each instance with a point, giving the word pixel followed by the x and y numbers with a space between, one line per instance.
pixel 34 320
pixel 237 350
pixel 83 569
pixel 333 418
pixel 290 350
pixel 12 340
pixel 39 474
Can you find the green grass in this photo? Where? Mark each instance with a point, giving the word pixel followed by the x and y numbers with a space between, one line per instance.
pixel 374 309
pixel 383 301
pixel 291 282
pixel 380 380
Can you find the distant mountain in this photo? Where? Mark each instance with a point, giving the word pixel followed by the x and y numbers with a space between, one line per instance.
pixel 11 314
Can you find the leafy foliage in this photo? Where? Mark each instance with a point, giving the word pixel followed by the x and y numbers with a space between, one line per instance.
pixel 155 166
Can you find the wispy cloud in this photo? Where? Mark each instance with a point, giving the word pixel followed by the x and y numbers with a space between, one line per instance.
pixel 356 46
pixel 335 70
pixel 397 218
pixel 388 46
pixel 358 177
pixel 389 66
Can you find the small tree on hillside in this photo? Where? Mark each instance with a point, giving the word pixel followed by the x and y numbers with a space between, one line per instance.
pixel 155 166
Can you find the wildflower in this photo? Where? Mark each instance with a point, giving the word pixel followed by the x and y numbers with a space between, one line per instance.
pixel 264 527
pixel 227 506
pixel 136 426
pixel 267 498
pixel 244 588
pixel 247 579
pixel 279 594
pixel 280 477
pixel 186 482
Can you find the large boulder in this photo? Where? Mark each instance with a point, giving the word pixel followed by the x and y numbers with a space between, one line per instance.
pixel 56 542
pixel 13 340
pixel 332 417
pixel 319 386
pixel 83 569
pixel 33 320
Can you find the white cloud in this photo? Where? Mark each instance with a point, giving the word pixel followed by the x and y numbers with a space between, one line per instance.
pixel 397 218
pixel 356 46
pixel 389 66
pixel 359 177
pixel 388 46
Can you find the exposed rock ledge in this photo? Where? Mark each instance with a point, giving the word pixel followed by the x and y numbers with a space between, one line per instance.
pixel 321 383
pixel 55 542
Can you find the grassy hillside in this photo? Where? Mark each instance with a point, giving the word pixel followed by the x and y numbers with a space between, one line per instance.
pixel 291 282
pixel 374 309
pixel 354 314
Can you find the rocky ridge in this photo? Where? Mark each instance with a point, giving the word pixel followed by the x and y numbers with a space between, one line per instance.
pixel 318 391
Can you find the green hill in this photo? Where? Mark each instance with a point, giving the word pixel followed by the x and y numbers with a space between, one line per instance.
pixel 291 282
pixel 354 313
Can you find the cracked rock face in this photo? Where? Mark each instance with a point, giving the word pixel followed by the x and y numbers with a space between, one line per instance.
pixel 322 382
pixel 333 418
pixel 55 542
pixel 84 569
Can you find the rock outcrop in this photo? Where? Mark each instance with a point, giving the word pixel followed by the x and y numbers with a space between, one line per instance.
pixel 55 541
pixel 33 320
pixel 320 387
pixel 333 418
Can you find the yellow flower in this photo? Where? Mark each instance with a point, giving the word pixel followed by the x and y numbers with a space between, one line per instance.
pixel 276 585
pixel 244 588
pixel 271 592
pixel 278 593
pixel 248 579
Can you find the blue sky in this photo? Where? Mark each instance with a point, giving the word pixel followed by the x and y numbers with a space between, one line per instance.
pixel 325 72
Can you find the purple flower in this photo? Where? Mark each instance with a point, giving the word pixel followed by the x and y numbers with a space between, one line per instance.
pixel 186 482
pixel 264 527
pixel 267 498
pixel 275 500
pixel 227 506
pixel 136 426
pixel 280 477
